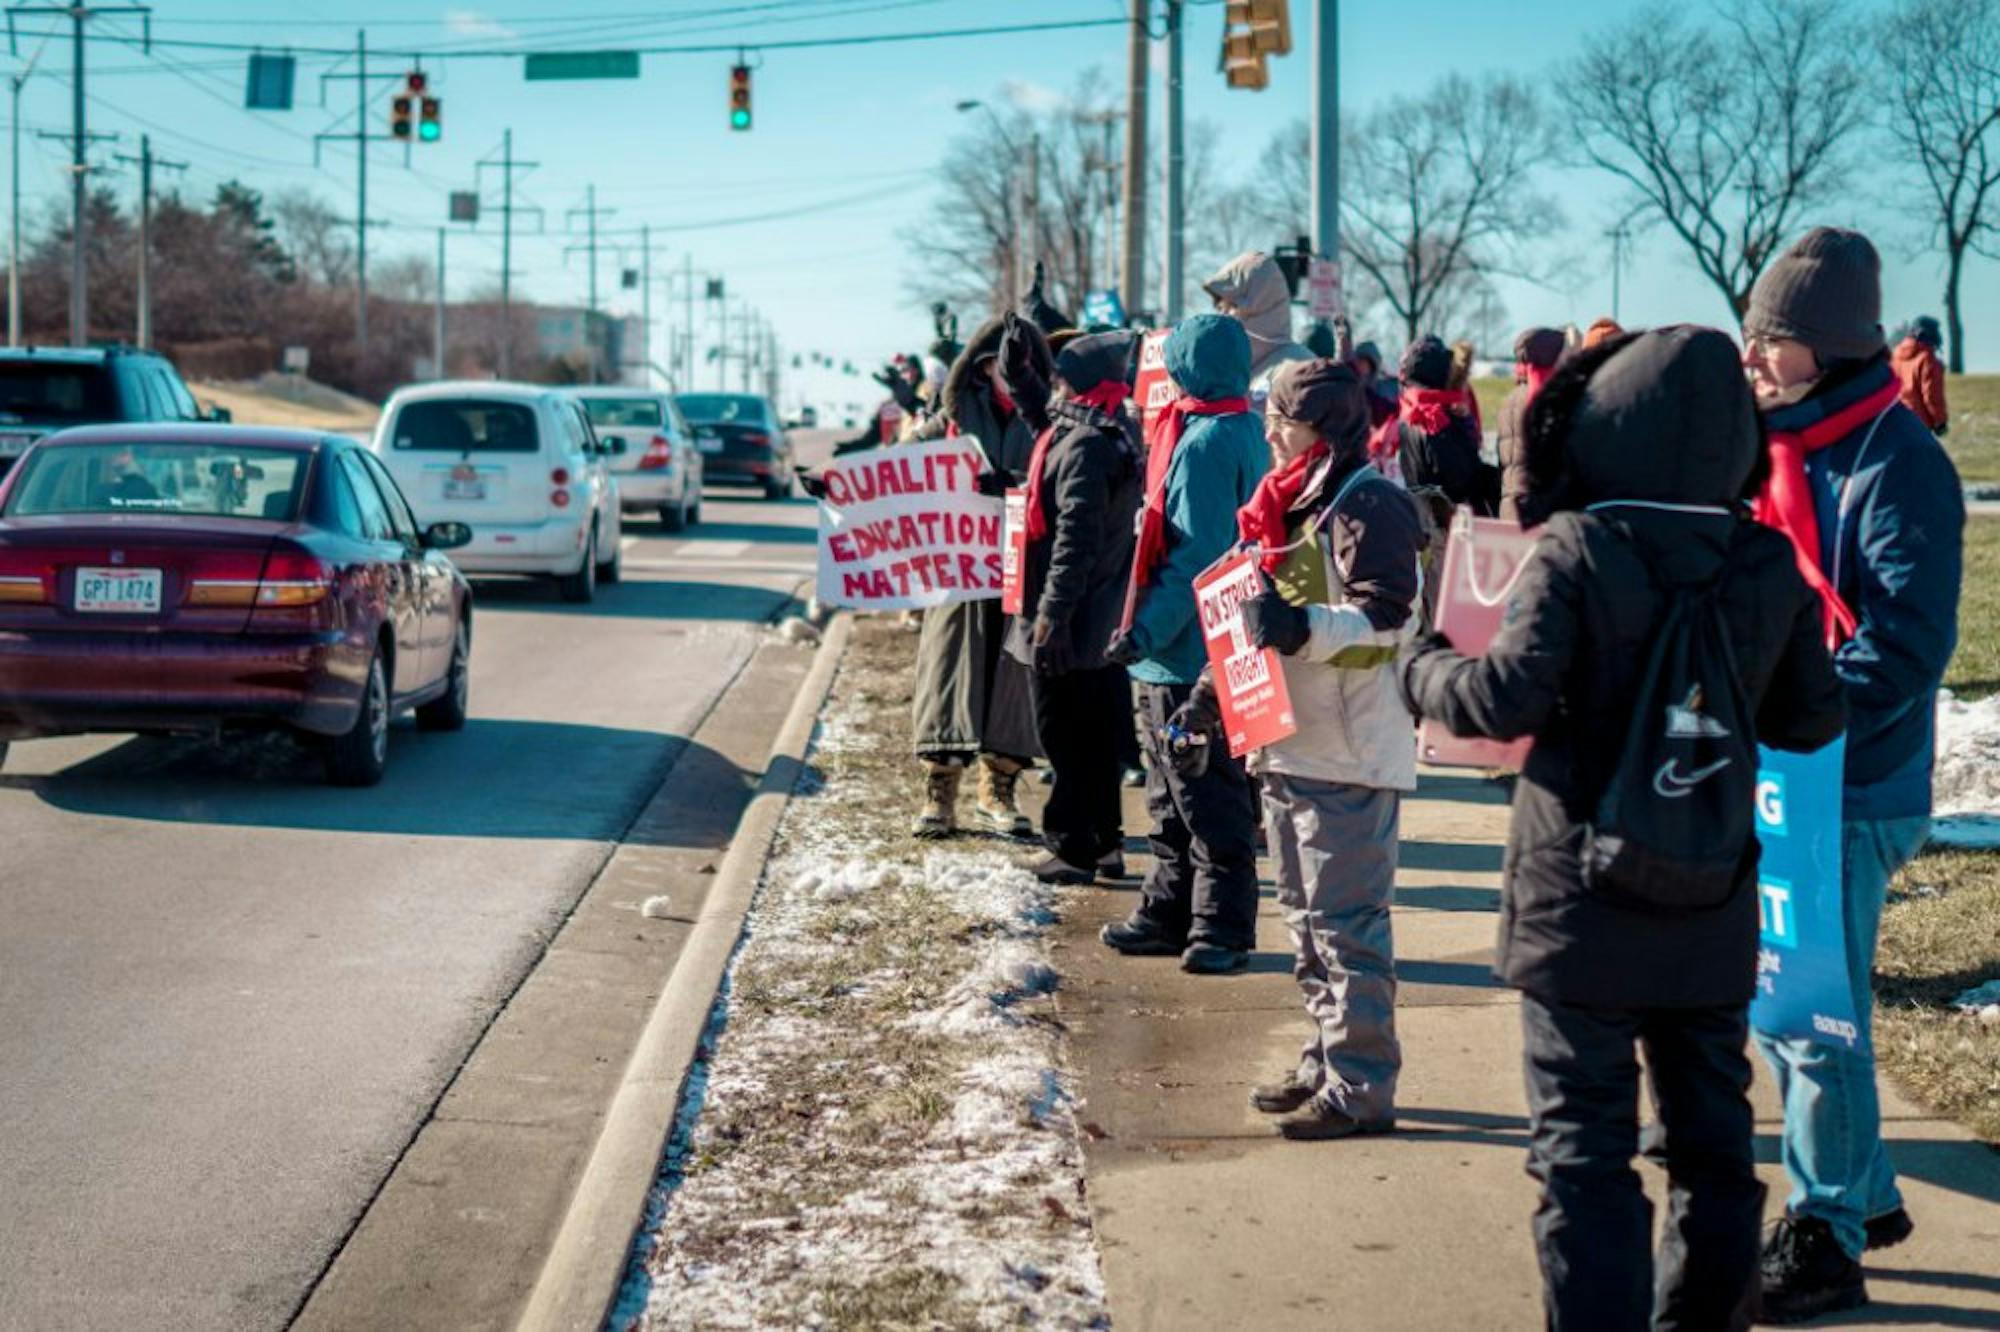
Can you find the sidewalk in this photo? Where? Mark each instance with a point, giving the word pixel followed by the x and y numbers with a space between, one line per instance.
pixel 1206 1219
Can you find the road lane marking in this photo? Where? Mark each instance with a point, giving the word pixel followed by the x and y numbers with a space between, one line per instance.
pixel 712 550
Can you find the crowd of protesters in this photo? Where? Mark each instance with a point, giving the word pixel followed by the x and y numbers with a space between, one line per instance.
pixel 1784 507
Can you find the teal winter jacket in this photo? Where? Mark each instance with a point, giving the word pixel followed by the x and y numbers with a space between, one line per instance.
pixel 1218 464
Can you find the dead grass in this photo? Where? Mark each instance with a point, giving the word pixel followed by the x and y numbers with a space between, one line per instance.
pixel 1940 937
pixel 911 1297
pixel 1975 668
pixel 1974 437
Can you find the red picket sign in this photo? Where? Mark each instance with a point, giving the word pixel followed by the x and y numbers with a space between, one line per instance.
pixel 1249 682
pixel 1014 551
pixel 1152 390
pixel 1482 561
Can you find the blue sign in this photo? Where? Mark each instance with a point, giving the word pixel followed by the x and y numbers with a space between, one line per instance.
pixel 270 86
pixel 1802 984
pixel 1103 309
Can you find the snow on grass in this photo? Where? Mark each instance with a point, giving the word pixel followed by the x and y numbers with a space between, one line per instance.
pixel 1966 785
pixel 881 1133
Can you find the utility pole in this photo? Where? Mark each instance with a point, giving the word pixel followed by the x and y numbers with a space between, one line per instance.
pixel 147 162
pixel 722 345
pixel 507 167
pixel 590 212
pixel 437 317
pixel 1172 276
pixel 687 296
pixel 80 138
pixel 1326 130
pixel 361 138
pixel 14 234
pixel 1132 272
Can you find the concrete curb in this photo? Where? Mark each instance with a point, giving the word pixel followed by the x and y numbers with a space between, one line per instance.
pixel 586 1264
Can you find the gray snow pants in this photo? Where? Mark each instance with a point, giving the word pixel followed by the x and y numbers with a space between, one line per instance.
pixel 1335 848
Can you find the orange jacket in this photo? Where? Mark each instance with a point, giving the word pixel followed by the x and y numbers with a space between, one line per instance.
pixel 1916 365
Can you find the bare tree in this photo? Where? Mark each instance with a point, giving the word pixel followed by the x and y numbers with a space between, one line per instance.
pixel 317 237
pixel 1729 136
pixel 1943 62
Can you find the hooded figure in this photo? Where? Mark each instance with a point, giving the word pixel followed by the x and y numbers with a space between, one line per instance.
pixel 1251 289
pixel 969 699
pixel 1083 491
pixel 1921 373
pixel 1341 547
pixel 1641 451
pixel 1205 455
pixel 1536 352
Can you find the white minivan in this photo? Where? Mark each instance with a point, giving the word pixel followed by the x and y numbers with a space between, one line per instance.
pixel 517 463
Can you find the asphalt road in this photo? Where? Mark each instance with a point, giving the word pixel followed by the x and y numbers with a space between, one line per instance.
pixel 230 994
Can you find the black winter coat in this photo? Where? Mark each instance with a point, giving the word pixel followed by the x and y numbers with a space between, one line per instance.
pixel 1449 460
pixel 1659 420
pixel 1092 485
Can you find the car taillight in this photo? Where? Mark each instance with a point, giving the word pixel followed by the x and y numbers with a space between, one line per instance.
pixel 754 437
pixel 559 477
pixel 25 579
pixel 243 579
pixel 294 579
pixel 659 455
pixel 559 498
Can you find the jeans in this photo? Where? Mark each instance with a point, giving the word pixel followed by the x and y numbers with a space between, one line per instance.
pixel 1594 1231
pixel 1832 1143
pixel 1203 887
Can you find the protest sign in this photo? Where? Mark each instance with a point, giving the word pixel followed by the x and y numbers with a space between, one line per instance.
pixel 1483 559
pixel 1249 682
pixel 905 528
pixel 1323 296
pixel 1152 390
pixel 1014 551
pixel 1803 987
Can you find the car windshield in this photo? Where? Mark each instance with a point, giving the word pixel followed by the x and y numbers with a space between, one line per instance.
pixel 611 413
pixel 722 408
pixel 465 425
pixel 54 391
pixel 205 480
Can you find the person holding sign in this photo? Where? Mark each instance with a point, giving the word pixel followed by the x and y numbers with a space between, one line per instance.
pixel 1654 637
pixel 1083 491
pixel 1876 519
pixel 1205 455
pixel 1338 544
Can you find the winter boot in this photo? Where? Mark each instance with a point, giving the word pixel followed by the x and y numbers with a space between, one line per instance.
pixel 997 810
pixel 940 813
pixel 1807 1273
pixel 1283 1096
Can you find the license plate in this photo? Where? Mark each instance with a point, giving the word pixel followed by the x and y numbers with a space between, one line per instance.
pixel 118 591
pixel 708 443
pixel 465 490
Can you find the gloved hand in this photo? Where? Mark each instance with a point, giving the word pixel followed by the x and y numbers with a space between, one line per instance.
pixel 994 484
pixel 1272 622
pixel 811 484
pixel 1025 369
pixel 1054 652
pixel 1123 650
pixel 1202 713
pixel 1195 729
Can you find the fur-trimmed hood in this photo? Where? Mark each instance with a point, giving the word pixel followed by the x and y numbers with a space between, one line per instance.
pixel 983 345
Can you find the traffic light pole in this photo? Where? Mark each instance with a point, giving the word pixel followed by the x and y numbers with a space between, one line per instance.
pixel 437 317
pixel 361 138
pixel 146 162
pixel 1132 270
pixel 1326 130
pixel 1172 277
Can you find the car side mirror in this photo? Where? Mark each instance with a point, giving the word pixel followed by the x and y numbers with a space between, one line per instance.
pixel 614 445
pixel 220 415
pixel 447 536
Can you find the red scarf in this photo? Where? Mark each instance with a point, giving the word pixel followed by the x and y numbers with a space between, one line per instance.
pixel 1161 443
pixel 1787 501
pixel 1262 520
pixel 1108 398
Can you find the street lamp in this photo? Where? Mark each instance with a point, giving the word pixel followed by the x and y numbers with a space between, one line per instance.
pixel 1024 188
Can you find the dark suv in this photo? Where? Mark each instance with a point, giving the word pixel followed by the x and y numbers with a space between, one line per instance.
pixel 45 389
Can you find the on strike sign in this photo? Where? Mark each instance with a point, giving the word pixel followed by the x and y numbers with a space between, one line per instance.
pixel 905 528
pixel 1152 389
pixel 1249 682
pixel 1014 557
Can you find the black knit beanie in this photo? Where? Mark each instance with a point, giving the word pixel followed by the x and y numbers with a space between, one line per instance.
pixel 1325 395
pixel 1826 291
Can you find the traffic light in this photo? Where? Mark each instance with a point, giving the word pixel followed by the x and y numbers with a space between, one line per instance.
pixel 413 112
pixel 429 128
pixel 1251 31
pixel 739 97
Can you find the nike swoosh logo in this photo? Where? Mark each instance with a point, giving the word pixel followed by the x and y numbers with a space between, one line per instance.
pixel 1673 785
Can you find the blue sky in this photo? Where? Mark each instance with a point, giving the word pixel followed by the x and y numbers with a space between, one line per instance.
pixel 846 132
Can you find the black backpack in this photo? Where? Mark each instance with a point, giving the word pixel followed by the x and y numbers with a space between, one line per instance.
pixel 1674 828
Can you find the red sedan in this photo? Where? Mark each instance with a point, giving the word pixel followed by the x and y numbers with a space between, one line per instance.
pixel 191 579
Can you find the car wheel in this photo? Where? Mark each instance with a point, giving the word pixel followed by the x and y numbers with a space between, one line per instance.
pixel 694 510
pixel 673 517
pixel 447 712
pixel 361 756
pixel 3 753
pixel 614 568
pixel 581 586
pixel 776 490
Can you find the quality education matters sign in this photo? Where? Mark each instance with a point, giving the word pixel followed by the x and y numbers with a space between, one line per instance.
pixel 905 528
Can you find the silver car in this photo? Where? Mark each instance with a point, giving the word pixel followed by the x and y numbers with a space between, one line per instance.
pixel 653 452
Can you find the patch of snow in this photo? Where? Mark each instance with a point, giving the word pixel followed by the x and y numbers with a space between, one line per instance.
pixel 657 908
pixel 1966 784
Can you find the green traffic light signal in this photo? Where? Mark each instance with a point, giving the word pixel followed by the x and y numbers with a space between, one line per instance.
pixel 739 119
pixel 429 131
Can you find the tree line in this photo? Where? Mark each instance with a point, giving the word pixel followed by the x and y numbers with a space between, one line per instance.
pixel 1728 130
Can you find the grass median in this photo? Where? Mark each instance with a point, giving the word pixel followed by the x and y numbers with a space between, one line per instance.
pixel 1939 939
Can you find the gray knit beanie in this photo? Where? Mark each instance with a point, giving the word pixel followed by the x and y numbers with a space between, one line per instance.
pixel 1826 291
